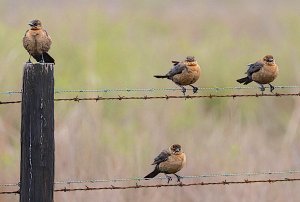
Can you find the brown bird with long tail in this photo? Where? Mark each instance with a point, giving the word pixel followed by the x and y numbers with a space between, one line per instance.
pixel 169 162
pixel 184 73
pixel 262 72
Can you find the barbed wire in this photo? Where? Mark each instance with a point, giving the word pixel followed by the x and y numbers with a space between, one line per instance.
pixel 137 186
pixel 9 192
pixel 166 97
pixel 60 91
pixel 10 185
pixel 209 175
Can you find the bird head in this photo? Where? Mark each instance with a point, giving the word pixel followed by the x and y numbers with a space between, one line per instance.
pixel 190 59
pixel 269 59
pixel 175 149
pixel 35 24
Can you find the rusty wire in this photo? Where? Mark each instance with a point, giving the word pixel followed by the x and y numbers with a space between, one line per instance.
pixel 138 179
pixel 9 192
pixel 166 97
pixel 137 186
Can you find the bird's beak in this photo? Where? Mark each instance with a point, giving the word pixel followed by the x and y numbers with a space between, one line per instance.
pixel 30 23
pixel 271 60
pixel 177 150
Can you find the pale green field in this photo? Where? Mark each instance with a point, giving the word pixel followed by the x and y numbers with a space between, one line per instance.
pixel 113 44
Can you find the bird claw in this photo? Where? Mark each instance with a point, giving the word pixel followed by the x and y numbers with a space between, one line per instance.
pixel 183 90
pixel 195 89
pixel 262 88
pixel 271 88
pixel 178 177
pixel 169 178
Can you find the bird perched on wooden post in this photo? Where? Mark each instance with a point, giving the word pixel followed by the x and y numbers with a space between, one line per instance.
pixel 262 72
pixel 37 42
pixel 169 162
pixel 184 73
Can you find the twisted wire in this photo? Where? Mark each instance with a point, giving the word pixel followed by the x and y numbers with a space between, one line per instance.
pixel 61 91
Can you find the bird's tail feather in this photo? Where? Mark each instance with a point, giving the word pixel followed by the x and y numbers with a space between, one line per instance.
pixel 160 76
pixel 47 58
pixel 244 80
pixel 153 173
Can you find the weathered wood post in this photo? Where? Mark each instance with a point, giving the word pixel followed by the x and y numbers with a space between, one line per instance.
pixel 37 133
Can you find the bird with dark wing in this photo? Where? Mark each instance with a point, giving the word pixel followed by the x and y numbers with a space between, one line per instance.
pixel 37 42
pixel 169 162
pixel 262 72
pixel 184 73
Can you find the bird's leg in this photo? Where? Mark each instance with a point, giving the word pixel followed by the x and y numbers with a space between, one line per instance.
pixel 42 61
pixel 195 89
pixel 271 88
pixel 178 178
pixel 183 89
pixel 169 178
pixel 29 61
pixel 262 88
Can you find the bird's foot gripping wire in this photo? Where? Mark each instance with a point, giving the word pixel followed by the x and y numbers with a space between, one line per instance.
pixel 271 88
pixel 169 178
pixel 262 88
pixel 183 90
pixel 178 178
pixel 195 89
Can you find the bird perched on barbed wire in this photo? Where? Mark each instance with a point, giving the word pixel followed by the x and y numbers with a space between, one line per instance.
pixel 184 73
pixel 169 162
pixel 262 72
pixel 37 42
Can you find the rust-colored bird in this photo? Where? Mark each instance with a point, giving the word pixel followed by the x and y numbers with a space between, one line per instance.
pixel 169 162
pixel 262 72
pixel 37 42
pixel 184 73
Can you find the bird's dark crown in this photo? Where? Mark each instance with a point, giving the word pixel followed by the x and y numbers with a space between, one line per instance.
pixel 268 58
pixel 175 148
pixel 190 59
pixel 35 23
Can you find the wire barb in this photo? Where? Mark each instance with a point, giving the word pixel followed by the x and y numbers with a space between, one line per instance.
pixel 166 97
pixel 136 186
pixel 180 184
pixel 217 89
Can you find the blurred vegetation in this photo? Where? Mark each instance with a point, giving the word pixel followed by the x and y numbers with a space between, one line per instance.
pixel 121 44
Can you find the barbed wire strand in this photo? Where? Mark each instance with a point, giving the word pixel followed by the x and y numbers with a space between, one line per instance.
pixel 136 186
pixel 166 97
pixel 209 175
pixel 247 174
pixel 60 91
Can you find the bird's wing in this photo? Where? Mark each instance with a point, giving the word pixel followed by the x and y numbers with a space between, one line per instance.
pixel 254 67
pixel 163 156
pixel 46 42
pixel 177 69
pixel 26 41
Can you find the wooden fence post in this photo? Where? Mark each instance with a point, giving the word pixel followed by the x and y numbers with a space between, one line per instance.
pixel 37 133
